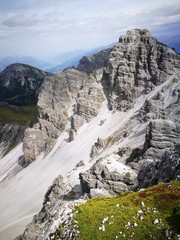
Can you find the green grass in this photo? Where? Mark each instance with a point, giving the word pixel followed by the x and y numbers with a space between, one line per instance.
pixel 17 116
pixel 161 202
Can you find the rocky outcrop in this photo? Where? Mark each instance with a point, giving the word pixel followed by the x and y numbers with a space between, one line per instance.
pixel 42 220
pixel 164 105
pixel 109 175
pixel 134 66
pixel 10 136
pixel 19 84
pixel 157 160
pixel 69 96
pixel 137 64
pixel 98 146
pixel 72 135
pixel 161 158
pixel 59 203
pixel 95 62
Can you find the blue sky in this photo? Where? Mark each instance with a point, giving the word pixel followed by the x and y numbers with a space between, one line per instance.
pixel 43 28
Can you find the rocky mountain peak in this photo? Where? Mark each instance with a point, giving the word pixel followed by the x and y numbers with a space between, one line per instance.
pixel 133 67
pixel 138 36
pixel 19 83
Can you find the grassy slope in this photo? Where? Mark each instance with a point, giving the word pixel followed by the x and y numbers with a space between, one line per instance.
pixel 17 116
pixel 159 204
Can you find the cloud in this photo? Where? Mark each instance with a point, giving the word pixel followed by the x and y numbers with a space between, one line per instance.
pixel 70 24
pixel 19 20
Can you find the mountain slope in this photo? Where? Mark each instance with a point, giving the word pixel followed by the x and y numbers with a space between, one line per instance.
pixel 103 121
pixel 19 83
pixel 19 86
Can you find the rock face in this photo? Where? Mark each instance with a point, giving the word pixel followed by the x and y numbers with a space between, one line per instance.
pixel 19 84
pixel 97 61
pixel 134 66
pixel 161 159
pixel 59 204
pixel 109 175
pixel 10 136
pixel 69 96
pixel 157 160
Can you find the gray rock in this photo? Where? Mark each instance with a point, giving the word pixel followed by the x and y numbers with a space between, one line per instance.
pixel 77 121
pixel 42 226
pixel 118 187
pixel 97 61
pixel 99 176
pixel 132 68
pixel 10 136
pixel 96 192
pixel 160 160
pixel 135 68
pixel 70 93
pixel 135 65
pixel 72 135
pixel 98 147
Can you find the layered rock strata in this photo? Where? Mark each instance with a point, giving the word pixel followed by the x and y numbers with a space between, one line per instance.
pixel 134 66
pixel 70 96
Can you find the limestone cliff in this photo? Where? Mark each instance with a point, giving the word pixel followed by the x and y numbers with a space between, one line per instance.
pixel 133 67
pixel 71 96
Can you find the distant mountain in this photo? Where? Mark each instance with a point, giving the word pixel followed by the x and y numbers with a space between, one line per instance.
pixel 19 83
pixel 54 64
pixel 71 59
pixel 6 61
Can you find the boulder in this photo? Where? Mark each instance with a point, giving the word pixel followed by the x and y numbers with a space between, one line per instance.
pixel 108 174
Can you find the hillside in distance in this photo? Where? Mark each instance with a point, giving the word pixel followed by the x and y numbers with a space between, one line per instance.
pixel 19 87
pixel 19 84
pixel 107 127
pixel 52 64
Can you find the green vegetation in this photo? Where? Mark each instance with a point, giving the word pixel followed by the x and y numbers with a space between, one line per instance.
pixel 150 214
pixel 21 99
pixel 21 115
pixel 127 174
pixel 71 195
pixel 175 80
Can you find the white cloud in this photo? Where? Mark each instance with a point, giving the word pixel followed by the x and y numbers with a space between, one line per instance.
pixel 19 20
pixel 166 19
pixel 70 24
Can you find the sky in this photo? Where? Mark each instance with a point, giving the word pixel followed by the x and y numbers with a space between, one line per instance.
pixel 44 28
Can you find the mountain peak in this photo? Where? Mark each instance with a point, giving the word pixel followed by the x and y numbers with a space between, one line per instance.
pixel 19 83
pixel 137 36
